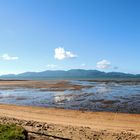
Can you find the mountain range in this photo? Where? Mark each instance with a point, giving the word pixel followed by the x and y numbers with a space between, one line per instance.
pixel 73 73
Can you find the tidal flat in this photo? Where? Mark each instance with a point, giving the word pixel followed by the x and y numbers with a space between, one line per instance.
pixel 86 95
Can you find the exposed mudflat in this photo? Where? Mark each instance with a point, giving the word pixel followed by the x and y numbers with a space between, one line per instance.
pixel 90 95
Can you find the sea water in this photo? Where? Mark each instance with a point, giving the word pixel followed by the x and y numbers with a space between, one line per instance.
pixel 101 96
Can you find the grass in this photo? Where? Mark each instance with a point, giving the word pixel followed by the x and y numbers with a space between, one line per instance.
pixel 12 132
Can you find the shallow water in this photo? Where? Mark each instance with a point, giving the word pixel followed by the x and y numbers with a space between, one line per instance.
pixel 102 96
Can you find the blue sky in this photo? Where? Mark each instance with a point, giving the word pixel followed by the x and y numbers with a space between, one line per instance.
pixel 37 35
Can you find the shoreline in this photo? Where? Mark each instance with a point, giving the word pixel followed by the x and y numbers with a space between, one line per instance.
pixel 72 122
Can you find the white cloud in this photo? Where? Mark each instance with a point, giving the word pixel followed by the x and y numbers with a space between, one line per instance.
pixel 83 65
pixel 7 57
pixel 103 64
pixel 61 54
pixel 51 66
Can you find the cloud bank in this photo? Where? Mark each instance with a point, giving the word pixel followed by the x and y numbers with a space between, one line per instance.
pixel 61 53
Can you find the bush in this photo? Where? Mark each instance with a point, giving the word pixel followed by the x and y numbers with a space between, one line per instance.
pixel 12 132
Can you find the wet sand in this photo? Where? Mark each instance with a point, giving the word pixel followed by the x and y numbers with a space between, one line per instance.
pixel 75 94
pixel 69 123
pixel 53 85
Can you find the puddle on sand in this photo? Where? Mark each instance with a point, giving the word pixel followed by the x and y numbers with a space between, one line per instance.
pixel 102 96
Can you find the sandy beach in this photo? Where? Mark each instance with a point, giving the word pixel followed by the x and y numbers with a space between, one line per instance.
pixel 68 123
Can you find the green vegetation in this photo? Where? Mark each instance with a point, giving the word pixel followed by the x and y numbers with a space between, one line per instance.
pixel 12 132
